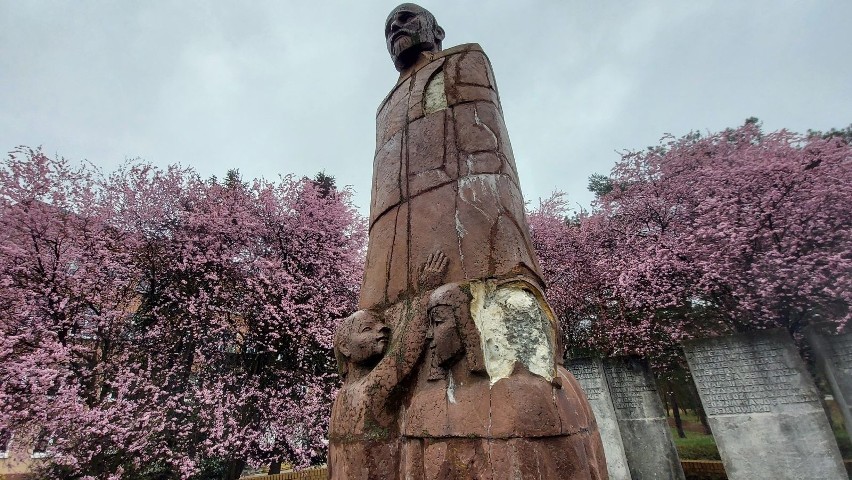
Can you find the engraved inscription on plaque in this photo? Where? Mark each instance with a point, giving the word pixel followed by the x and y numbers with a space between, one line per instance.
pixel 841 351
pixel 744 378
pixel 589 375
pixel 834 354
pixel 627 382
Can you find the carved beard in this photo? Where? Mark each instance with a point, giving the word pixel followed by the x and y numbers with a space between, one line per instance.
pixel 406 48
pixel 401 44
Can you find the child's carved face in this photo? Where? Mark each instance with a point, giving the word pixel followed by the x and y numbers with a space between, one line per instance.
pixel 368 339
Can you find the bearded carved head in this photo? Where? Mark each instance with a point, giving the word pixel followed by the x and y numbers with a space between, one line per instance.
pixel 410 30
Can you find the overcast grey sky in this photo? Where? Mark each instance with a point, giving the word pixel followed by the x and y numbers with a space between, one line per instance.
pixel 276 87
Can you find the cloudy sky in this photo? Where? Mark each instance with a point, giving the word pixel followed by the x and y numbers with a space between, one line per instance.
pixel 277 87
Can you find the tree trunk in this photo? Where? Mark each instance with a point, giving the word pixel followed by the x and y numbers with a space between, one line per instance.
pixel 702 417
pixel 274 468
pixel 234 469
pixel 676 412
pixel 695 399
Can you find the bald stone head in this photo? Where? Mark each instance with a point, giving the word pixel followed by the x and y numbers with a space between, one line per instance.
pixel 409 30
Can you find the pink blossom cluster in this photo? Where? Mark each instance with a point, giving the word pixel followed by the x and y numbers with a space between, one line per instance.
pixel 157 322
pixel 702 235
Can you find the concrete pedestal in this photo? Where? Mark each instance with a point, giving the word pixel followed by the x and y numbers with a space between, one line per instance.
pixel 647 440
pixel 834 356
pixel 763 408
pixel 589 372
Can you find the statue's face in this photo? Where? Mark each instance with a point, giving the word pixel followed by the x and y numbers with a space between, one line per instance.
pixel 410 30
pixel 368 339
pixel 446 344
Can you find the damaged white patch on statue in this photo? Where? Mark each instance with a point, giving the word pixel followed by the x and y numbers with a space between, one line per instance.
pixel 471 184
pixel 451 388
pixel 479 122
pixel 469 162
pixel 514 328
pixel 435 98
pixel 460 231
pixel 459 227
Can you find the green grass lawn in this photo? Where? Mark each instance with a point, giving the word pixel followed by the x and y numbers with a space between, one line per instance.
pixel 696 446
pixel 843 442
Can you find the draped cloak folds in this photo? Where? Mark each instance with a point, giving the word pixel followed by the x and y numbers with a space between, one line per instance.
pixel 444 179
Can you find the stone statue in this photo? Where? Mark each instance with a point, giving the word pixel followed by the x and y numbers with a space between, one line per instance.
pixel 471 384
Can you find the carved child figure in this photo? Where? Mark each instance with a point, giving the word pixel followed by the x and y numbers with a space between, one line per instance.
pixel 363 436
pixel 376 369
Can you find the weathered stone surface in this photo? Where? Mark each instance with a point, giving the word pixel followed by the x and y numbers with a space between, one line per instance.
pixel 516 458
pixel 452 367
pixel 487 225
pixel 427 95
pixel 834 356
pixel 426 143
pixel 481 162
pixel 473 69
pixel 398 281
pixel 474 135
pixel 645 433
pixel 378 259
pixel 388 168
pixel 392 114
pixel 363 421
pixel 516 328
pixel 589 372
pixel 763 408
pixel 492 376
pixel 427 180
pixel 429 234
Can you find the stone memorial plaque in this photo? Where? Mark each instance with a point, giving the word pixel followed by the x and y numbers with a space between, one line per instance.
pixel 589 372
pixel 641 418
pixel 763 408
pixel 834 355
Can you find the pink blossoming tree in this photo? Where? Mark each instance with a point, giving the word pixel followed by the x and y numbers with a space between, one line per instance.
pixel 733 231
pixel 157 325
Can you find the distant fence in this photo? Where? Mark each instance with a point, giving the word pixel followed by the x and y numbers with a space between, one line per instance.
pixel 692 469
pixel 319 473
pixel 703 469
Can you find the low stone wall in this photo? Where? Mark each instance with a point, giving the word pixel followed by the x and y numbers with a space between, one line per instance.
pixel 713 469
pixel 16 476
pixel 693 469
pixel 319 473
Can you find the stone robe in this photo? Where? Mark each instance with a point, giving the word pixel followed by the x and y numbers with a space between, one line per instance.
pixel 444 179
pixel 521 428
pixel 480 420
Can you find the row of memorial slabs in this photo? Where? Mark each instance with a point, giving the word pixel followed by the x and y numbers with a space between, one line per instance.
pixel 761 402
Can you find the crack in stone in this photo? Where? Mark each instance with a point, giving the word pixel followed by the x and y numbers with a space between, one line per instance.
pixel 460 233
pixel 486 127
pixel 390 258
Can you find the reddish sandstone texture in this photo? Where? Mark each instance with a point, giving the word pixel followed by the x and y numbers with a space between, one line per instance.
pixel 444 179
pixel 452 367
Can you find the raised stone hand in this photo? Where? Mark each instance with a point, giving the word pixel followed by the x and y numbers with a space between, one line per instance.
pixel 433 271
